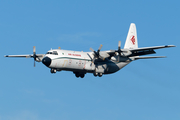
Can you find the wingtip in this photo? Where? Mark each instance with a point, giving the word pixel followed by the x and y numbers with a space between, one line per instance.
pixel 170 46
pixel 160 56
pixel 163 57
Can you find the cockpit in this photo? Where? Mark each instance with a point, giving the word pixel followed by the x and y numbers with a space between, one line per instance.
pixel 53 53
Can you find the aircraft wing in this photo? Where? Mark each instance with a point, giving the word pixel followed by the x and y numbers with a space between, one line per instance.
pixel 38 57
pixel 27 56
pixel 139 51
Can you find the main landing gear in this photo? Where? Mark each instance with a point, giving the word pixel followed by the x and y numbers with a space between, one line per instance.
pixel 78 74
pixel 53 70
pixel 97 74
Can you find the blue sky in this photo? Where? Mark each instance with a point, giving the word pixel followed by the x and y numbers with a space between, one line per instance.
pixel 145 89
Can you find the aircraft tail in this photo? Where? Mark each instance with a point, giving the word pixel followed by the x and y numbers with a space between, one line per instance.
pixel 131 40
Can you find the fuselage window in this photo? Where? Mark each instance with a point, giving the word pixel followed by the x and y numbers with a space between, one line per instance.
pixel 55 53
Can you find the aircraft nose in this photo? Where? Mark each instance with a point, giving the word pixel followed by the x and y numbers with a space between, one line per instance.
pixel 46 61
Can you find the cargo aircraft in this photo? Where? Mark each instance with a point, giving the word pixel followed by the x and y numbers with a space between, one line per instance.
pixel 96 62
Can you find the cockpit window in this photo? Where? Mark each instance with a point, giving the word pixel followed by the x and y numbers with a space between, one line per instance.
pixel 49 53
pixel 53 53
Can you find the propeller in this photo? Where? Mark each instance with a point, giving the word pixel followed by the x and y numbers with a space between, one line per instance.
pixel 37 57
pixel 96 53
pixel 119 49
pixel 34 55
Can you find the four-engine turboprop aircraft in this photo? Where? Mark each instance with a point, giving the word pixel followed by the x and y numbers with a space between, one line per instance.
pixel 96 62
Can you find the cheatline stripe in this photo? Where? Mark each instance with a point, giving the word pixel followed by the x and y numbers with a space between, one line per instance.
pixel 79 59
pixel 71 58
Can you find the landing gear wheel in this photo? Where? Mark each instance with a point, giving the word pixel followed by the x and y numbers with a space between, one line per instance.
pixel 100 74
pixel 53 70
pixel 95 74
pixel 77 75
pixel 82 75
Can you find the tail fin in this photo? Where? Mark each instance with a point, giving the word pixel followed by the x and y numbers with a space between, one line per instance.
pixel 131 40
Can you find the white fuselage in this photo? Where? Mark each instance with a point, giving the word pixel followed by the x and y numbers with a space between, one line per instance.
pixel 81 62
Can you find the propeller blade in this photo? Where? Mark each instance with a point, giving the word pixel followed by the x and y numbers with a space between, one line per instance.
pixel 119 45
pixel 90 57
pixel 34 49
pixel 91 49
pixel 95 53
pixel 34 64
pixel 119 50
pixel 99 48
pixel 34 55
pixel 93 60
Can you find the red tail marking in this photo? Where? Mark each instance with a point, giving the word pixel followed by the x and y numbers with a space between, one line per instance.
pixel 133 40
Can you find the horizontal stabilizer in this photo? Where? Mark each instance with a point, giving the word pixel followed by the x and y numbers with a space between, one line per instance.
pixel 155 47
pixel 148 57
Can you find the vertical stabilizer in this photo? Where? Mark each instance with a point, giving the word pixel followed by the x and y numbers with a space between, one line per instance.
pixel 131 40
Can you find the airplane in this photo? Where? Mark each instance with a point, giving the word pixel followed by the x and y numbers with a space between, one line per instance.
pixel 96 62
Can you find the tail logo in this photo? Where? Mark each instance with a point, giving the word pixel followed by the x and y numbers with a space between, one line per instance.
pixel 133 39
